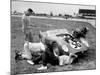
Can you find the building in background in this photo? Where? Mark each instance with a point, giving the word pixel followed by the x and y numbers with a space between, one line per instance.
pixel 87 13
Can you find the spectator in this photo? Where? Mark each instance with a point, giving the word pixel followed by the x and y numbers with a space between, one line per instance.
pixel 26 20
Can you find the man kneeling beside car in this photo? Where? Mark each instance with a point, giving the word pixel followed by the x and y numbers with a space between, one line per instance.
pixel 55 56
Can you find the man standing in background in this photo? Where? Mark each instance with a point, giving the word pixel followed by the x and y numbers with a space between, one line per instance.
pixel 26 20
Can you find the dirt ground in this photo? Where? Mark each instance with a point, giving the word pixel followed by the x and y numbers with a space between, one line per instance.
pixel 86 62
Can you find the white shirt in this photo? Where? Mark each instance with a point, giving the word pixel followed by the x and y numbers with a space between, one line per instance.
pixel 25 22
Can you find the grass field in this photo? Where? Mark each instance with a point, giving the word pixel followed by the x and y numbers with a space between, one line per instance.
pixel 87 62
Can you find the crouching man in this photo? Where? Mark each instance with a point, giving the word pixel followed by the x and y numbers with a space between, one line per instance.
pixel 48 56
pixel 55 56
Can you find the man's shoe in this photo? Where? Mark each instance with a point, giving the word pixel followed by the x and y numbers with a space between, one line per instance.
pixel 30 62
pixel 42 68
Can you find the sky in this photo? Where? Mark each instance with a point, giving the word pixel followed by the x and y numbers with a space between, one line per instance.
pixel 40 7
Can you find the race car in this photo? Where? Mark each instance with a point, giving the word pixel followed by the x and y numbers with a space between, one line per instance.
pixel 66 40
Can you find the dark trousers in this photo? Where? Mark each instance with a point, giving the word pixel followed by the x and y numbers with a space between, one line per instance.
pixel 49 57
pixel 37 59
